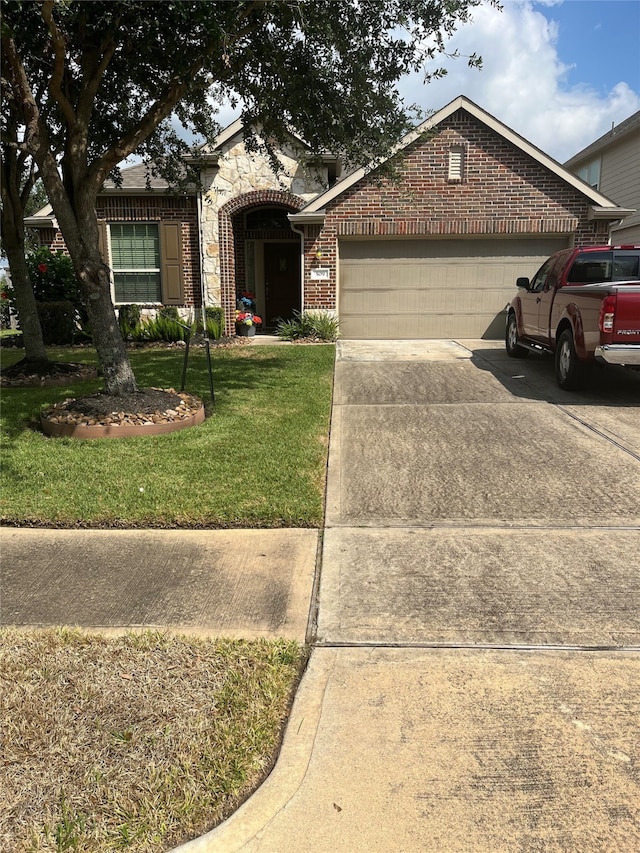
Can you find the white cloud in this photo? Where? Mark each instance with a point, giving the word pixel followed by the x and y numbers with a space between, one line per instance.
pixel 523 82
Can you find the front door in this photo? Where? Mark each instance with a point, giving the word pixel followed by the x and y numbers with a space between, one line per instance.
pixel 281 281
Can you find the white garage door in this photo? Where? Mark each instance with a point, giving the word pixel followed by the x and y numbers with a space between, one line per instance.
pixel 393 289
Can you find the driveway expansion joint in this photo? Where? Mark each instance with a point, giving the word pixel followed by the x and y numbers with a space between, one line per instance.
pixel 514 647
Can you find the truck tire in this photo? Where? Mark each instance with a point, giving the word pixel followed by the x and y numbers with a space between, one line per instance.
pixel 570 372
pixel 511 339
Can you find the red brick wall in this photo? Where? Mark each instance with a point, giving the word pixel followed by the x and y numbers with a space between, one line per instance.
pixel 503 192
pixel 152 209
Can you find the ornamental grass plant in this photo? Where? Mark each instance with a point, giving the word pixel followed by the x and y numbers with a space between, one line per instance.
pixel 310 326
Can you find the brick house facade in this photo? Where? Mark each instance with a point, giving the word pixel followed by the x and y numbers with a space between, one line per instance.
pixel 471 205
pixel 503 193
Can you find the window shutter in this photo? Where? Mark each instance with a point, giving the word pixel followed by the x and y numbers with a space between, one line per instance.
pixel 171 263
pixel 102 241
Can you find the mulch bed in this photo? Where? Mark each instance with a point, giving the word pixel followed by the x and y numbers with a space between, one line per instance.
pixel 143 408
pixel 44 374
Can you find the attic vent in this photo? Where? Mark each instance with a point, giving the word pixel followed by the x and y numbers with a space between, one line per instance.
pixel 456 163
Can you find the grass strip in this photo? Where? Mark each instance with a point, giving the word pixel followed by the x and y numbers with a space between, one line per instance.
pixel 138 742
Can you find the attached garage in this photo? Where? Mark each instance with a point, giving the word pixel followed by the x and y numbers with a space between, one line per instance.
pixel 434 250
pixel 429 288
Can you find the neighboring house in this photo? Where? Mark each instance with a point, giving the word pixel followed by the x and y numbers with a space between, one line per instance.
pixel 611 165
pixel 433 253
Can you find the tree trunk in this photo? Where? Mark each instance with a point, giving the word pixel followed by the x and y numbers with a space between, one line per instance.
pixel 14 247
pixel 78 222
pixel 107 338
pixel 25 300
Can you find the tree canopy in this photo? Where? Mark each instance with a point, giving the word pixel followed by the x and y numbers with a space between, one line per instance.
pixel 94 82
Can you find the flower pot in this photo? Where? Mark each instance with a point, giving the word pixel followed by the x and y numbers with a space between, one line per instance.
pixel 245 331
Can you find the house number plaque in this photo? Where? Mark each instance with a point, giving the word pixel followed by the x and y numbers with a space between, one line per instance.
pixel 320 274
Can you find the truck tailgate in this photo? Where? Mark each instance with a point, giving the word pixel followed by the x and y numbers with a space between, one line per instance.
pixel 626 326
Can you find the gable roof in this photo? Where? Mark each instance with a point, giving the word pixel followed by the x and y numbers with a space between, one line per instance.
pixel 44 218
pixel 135 178
pixel 236 129
pixel 602 206
pixel 626 127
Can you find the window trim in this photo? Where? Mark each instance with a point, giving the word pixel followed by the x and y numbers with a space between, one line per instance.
pixel 113 271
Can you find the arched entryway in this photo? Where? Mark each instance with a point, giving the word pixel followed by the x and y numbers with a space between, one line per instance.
pixel 260 253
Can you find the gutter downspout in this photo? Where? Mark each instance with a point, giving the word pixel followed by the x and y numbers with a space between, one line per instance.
pixel 300 231
pixel 203 290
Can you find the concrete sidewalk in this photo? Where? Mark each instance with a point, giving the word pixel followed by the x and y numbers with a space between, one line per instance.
pixel 230 583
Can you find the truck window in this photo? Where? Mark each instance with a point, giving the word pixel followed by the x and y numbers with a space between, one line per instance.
pixel 540 277
pixel 625 267
pixel 590 268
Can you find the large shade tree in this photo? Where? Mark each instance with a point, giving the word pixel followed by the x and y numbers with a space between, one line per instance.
pixel 98 81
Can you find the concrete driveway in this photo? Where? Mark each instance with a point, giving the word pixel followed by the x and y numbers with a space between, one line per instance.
pixel 471 501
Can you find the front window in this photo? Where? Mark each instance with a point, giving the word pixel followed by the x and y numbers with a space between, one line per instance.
pixel 135 260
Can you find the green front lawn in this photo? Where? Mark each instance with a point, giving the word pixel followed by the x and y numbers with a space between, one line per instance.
pixel 258 460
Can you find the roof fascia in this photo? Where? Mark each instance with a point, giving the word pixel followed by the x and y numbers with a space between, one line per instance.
pixel 609 213
pixel 236 128
pixel 461 102
pixel 44 218
pixel 40 222
pixel 139 192
pixel 232 130
pixel 306 218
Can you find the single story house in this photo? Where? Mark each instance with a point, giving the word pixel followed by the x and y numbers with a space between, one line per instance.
pixel 435 252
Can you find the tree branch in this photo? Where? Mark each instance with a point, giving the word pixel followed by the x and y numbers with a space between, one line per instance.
pixel 60 55
pixel 91 86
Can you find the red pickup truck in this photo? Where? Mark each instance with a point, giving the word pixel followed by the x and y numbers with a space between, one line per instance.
pixel 583 305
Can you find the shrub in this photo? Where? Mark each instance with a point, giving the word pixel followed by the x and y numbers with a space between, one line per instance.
pixel 52 276
pixel 170 312
pixel 159 328
pixel 58 322
pixel 310 325
pixel 214 317
pixel 128 319
pixel 54 280
pixel 5 304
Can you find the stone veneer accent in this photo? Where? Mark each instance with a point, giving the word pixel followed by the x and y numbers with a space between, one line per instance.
pixel 243 181
pixel 503 191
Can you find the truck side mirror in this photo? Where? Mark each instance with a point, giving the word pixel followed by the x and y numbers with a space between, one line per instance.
pixel 523 282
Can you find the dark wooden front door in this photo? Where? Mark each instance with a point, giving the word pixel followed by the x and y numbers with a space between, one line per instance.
pixel 281 281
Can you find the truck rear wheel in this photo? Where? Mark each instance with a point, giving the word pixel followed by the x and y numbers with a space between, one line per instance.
pixel 511 339
pixel 570 371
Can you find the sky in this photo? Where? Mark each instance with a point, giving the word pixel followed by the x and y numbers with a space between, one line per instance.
pixel 558 72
